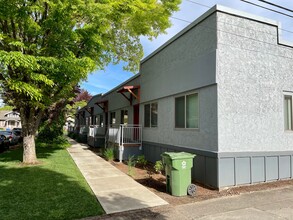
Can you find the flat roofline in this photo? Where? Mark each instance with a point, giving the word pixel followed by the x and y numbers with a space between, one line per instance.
pixel 217 8
pixel 121 84
pixel 93 97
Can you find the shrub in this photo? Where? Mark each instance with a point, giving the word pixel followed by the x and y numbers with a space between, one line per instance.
pixel 141 160
pixel 81 139
pixel 74 136
pixel 57 142
pixel 70 134
pixel 109 154
pixel 159 167
pixel 131 163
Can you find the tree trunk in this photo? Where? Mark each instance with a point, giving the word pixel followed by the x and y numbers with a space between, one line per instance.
pixel 30 120
pixel 29 150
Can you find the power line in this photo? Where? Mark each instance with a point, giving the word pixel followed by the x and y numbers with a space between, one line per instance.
pixel 206 6
pixel 179 19
pixel 234 25
pixel 275 5
pixel 277 54
pixel 198 3
pixel 257 5
pixel 249 38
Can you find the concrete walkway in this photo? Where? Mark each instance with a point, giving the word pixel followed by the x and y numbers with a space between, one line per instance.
pixel 116 191
pixel 263 205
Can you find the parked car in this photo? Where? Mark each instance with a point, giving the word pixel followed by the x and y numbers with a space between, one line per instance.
pixel 19 134
pixel 4 143
pixel 11 136
pixel 17 129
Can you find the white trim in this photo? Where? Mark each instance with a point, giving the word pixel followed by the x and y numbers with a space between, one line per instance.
pixel 150 116
pixel 288 94
pixel 185 95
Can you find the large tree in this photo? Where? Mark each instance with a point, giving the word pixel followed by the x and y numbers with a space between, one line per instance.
pixel 48 46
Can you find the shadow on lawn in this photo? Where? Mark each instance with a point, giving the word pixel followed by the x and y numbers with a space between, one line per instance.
pixel 15 155
pixel 34 192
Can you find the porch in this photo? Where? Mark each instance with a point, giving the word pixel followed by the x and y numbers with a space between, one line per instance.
pixel 126 140
pixel 96 136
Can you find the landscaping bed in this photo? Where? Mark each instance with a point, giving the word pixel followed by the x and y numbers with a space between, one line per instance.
pixel 156 182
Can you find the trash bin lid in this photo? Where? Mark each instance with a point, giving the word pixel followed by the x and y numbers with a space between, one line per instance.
pixel 179 155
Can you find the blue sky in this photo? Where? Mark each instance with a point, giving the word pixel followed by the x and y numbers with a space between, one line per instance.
pixel 113 75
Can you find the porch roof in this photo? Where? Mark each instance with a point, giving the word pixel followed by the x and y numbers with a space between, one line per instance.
pixel 130 89
pixel 127 88
pixel 103 104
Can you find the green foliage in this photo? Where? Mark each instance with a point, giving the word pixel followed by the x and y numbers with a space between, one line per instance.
pixel 48 46
pixel 131 164
pixel 59 142
pixel 109 154
pixel 54 190
pixel 73 135
pixel 50 132
pixel 81 139
pixel 159 167
pixel 6 108
pixel 70 134
pixel 71 109
pixel 140 160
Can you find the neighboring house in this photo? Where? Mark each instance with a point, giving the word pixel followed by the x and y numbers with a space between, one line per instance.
pixel 9 120
pixel 69 124
pixel 80 120
pixel 95 121
pixel 222 89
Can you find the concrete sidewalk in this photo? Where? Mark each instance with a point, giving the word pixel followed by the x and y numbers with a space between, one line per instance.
pixel 116 191
pixel 268 204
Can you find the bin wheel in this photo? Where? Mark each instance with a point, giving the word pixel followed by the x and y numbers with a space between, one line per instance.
pixel 191 190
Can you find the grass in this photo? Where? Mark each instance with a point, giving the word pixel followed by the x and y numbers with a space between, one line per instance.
pixel 55 189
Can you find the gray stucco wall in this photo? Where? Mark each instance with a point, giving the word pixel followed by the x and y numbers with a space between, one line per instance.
pixel 185 64
pixel 204 138
pixel 252 70
pixel 252 73
pixel 91 103
pixel 117 102
pixel 188 64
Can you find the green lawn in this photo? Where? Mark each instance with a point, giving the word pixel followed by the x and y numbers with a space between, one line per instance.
pixel 53 190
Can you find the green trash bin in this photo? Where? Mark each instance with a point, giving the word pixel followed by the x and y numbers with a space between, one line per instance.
pixel 178 172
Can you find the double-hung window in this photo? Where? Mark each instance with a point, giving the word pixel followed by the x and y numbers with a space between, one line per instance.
pixel 100 120
pixel 288 111
pixel 187 111
pixel 124 117
pixel 151 115
pixel 112 118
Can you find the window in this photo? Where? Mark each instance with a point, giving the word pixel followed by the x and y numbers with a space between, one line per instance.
pixel 124 117
pixel 187 111
pixel 151 115
pixel 112 118
pixel 87 121
pixel 99 120
pixel 288 112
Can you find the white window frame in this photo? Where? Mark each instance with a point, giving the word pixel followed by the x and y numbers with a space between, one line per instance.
pixel 98 120
pixel 288 94
pixel 115 118
pixel 122 115
pixel 150 115
pixel 185 95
